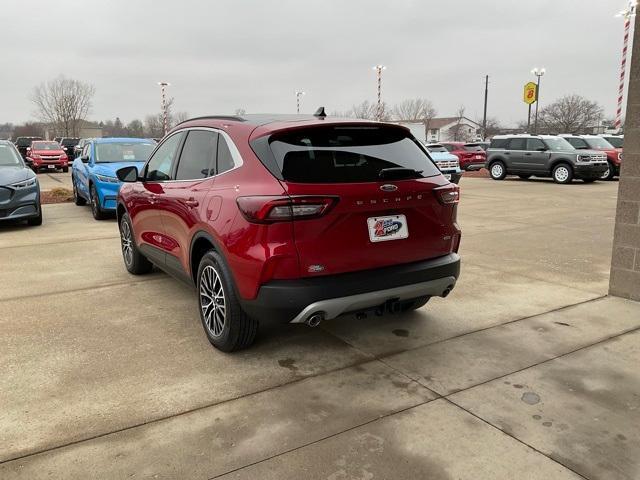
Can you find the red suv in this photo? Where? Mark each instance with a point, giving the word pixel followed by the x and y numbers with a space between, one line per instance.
pixel 291 219
pixel 49 155
pixel 470 155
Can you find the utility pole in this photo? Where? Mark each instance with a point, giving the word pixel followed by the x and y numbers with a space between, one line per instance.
pixel 163 92
pixel 484 117
pixel 538 72
pixel 379 69
pixel 627 14
pixel 299 93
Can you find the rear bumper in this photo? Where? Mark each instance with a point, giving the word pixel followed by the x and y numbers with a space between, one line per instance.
pixel 284 301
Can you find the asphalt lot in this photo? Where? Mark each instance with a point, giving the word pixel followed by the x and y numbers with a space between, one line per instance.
pixel 49 181
pixel 527 370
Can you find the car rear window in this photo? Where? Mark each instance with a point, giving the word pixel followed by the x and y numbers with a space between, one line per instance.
pixel 436 148
pixel 346 154
pixel 473 147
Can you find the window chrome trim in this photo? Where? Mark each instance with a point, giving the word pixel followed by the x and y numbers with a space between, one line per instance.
pixel 233 149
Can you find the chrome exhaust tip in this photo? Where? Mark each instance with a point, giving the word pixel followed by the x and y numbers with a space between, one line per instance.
pixel 315 319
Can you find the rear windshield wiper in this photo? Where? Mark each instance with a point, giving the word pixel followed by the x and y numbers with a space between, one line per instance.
pixel 399 172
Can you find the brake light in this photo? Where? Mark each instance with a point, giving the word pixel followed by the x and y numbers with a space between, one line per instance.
pixel 448 194
pixel 269 209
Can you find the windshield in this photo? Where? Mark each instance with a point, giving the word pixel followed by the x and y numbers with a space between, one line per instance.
pixel 9 157
pixel 123 152
pixel 45 146
pixel 616 142
pixel 598 143
pixel 558 144
pixel 348 154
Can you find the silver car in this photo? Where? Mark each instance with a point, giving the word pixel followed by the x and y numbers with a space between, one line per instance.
pixel 19 188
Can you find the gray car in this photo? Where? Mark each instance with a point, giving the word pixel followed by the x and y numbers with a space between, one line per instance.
pixel 19 188
pixel 543 156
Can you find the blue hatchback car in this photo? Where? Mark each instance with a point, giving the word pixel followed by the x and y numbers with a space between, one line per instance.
pixel 93 172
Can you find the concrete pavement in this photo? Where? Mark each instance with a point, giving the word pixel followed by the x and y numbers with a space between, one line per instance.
pixel 524 371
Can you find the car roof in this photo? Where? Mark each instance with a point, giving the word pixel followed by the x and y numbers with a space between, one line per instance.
pixel 121 139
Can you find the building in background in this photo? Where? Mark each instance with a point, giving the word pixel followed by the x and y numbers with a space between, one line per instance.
pixel 444 129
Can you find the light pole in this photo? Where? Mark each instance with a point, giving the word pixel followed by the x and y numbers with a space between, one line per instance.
pixel 379 69
pixel 628 13
pixel 299 93
pixel 538 72
pixel 163 91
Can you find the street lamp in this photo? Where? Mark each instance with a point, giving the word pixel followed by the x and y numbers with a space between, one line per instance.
pixel 628 13
pixel 379 69
pixel 299 93
pixel 163 92
pixel 538 72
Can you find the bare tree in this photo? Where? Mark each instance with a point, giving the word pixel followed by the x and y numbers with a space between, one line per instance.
pixel 240 111
pixel 414 109
pixel 493 127
pixel 570 114
pixel 179 117
pixel 64 104
pixel 366 111
pixel 459 132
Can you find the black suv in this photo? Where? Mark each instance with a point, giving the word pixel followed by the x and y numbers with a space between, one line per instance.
pixel 22 143
pixel 543 156
pixel 68 145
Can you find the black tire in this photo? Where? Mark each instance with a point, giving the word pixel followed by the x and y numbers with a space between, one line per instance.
pixel 65 169
pixel 415 304
pixel 525 177
pixel 96 210
pixel 497 170
pixel 562 173
pixel 232 329
pixel 134 261
pixel 78 200
pixel 35 221
pixel 610 173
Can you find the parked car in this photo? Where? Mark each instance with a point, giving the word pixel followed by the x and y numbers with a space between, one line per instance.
pixel 445 161
pixel 543 156
pixel 292 221
pixel 43 154
pixel 470 155
pixel 615 140
pixel 80 146
pixel 68 145
pixel 595 142
pixel 93 173
pixel 22 143
pixel 19 188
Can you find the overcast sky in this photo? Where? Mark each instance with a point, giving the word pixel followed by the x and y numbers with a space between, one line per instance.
pixel 220 55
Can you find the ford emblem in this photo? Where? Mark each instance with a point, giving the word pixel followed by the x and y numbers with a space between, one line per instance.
pixel 388 188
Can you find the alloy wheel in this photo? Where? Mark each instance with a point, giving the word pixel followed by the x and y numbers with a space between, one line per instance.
pixel 212 301
pixel 605 175
pixel 94 201
pixel 496 170
pixel 562 174
pixel 127 242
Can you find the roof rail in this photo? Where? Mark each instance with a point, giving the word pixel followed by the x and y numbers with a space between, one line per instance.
pixel 232 118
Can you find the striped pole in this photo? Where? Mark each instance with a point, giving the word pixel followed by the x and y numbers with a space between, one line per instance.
pixel 627 14
pixel 165 120
pixel 299 93
pixel 379 69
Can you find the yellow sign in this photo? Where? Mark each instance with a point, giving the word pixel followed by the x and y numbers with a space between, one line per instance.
pixel 530 93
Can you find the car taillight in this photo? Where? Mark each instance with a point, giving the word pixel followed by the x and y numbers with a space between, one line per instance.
pixel 268 209
pixel 448 194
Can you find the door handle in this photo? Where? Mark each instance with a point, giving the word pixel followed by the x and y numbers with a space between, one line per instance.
pixel 191 203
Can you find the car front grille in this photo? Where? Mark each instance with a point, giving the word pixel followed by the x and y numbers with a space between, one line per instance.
pixel 50 158
pixel 447 164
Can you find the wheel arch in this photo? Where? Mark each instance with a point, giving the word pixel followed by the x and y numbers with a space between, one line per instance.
pixel 558 161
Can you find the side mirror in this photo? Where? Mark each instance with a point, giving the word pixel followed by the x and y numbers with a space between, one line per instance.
pixel 85 159
pixel 127 174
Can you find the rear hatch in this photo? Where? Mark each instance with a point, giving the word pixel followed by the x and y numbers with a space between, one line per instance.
pixel 387 203
pixel 474 152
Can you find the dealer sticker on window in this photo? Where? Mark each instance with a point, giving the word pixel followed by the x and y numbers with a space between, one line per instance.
pixel 382 229
pixel 128 155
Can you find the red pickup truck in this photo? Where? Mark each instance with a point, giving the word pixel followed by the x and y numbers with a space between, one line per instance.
pixel 47 155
